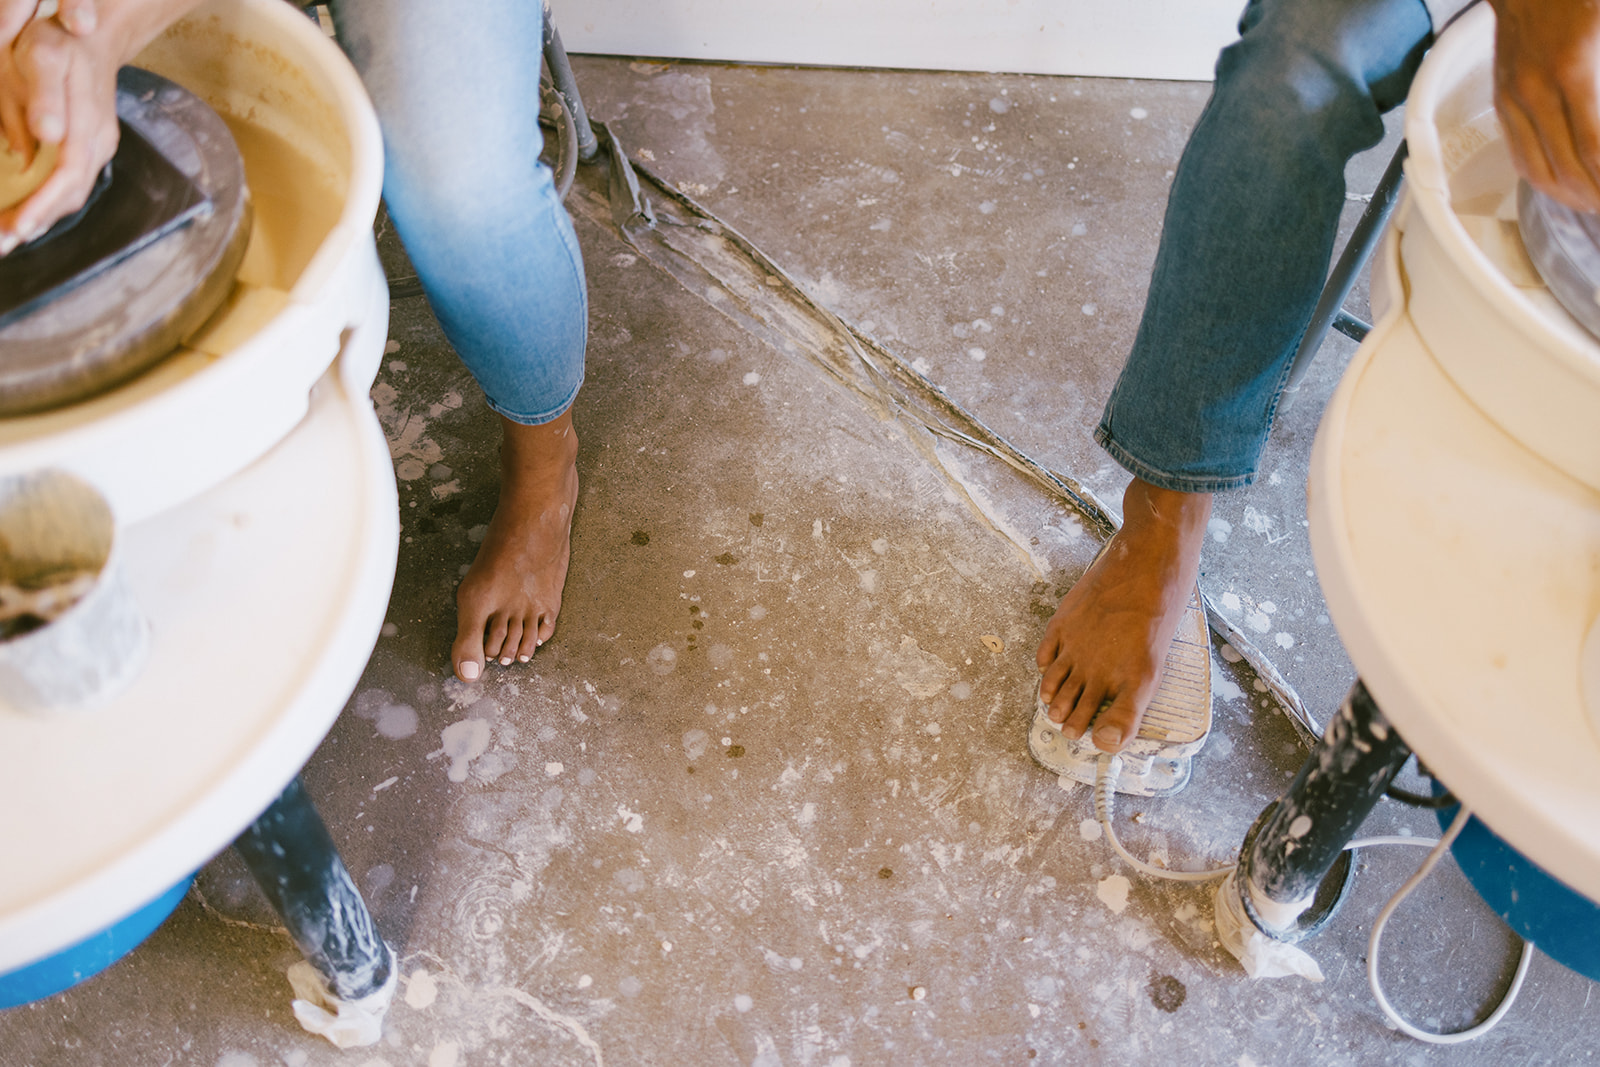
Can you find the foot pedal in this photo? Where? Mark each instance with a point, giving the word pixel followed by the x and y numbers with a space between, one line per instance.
pixel 1156 763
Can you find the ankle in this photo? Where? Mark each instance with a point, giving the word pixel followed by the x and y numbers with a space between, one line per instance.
pixel 1146 507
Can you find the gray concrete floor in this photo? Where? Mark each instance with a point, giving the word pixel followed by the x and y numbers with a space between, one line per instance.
pixel 765 799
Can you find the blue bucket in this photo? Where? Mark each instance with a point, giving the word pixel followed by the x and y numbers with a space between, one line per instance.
pixel 1563 923
pixel 49 976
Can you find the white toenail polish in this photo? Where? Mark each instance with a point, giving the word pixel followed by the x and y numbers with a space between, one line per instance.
pixel 524 658
pixel 505 661
pixel 469 670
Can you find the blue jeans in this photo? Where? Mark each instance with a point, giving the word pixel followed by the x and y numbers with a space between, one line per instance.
pixel 1250 226
pixel 457 95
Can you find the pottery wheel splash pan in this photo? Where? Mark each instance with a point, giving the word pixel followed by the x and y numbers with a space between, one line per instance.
pixel 107 293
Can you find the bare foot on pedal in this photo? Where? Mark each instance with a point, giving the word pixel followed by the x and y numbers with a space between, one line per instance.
pixel 1104 649
pixel 507 604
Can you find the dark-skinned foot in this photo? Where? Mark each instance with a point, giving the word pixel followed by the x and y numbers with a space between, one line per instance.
pixel 507 604
pixel 1104 649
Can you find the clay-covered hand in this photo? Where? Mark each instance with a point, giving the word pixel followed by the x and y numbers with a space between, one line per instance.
pixel 59 87
pixel 76 16
pixel 63 89
pixel 1547 94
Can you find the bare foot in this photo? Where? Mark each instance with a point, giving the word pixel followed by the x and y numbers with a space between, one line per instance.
pixel 1105 647
pixel 507 604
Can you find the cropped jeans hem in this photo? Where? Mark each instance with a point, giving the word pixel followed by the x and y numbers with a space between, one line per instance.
pixel 539 419
pixel 1177 483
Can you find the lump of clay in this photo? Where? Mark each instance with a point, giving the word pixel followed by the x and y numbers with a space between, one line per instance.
pixel 17 182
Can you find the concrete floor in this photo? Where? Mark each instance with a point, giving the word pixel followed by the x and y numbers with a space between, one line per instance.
pixel 765 799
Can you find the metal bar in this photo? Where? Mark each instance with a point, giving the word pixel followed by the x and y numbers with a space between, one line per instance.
pixel 1351 262
pixel 293 858
pixel 1338 785
pixel 1352 327
pixel 555 57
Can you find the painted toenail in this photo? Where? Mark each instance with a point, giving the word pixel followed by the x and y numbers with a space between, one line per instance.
pixel 505 661
pixel 469 670
pixel 524 659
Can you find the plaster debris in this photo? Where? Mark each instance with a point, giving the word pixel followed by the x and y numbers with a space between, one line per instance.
pixel 464 742
pixel 421 990
pixel 663 659
pixel 1089 830
pixel 1113 892
pixel 922 674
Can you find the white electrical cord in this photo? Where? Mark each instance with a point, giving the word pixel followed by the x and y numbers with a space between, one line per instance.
pixel 1440 847
pixel 1109 766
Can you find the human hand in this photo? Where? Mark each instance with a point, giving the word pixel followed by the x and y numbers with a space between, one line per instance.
pixel 1547 94
pixel 57 88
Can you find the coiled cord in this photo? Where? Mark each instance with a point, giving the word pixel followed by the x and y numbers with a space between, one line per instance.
pixel 1109 766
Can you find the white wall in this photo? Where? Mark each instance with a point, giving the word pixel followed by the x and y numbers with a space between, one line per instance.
pixel 1110 38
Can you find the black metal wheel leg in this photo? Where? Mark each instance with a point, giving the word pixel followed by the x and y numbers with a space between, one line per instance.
pixel 293 858
pixel 1303 834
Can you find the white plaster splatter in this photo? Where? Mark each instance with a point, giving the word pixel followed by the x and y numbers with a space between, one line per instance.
pixel 397 721
pixel 978 355
pixel 554 770
pixel 986 208
pixel 742 1003
pixel 1138 113
pixel 464 742
pixel 695 743
pixel 808 814
pixel 1090 308
pixel 1258 621
pixel 757 613
pixel 663 659
pixel 422 990
pixel 1258 522
pixel 632 821
pixel 1230 602
pixel 752 378
pixel 1224 686
pixel 445 1054
pixel 1113 892
pixel 1089 829
pixel 1284 640
pixel 880 545
pixel 1219 529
